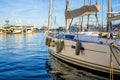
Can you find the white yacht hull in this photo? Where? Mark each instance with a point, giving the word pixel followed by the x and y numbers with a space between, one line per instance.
pixel 17 31
pixel 28 31
pixel 14 32
pixel 94 56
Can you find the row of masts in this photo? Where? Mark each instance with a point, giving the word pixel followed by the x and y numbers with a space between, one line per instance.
pixel 81 29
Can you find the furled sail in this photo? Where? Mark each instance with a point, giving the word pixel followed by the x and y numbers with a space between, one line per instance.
pixel 85 10
pixel 113 18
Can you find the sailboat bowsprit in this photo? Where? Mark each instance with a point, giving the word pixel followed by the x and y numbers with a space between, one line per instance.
pixel 97 51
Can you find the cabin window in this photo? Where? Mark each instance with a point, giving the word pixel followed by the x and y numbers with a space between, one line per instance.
pixel 71 37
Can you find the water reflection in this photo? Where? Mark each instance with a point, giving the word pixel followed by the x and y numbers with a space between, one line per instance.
pixel 28 36
pixel 15 40
pixel 62 71
pixel 1 37
pixel 18 37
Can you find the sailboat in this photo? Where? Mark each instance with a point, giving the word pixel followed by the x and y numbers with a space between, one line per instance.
pixel 95 51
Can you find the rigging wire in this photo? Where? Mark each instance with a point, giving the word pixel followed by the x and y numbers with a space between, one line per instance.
pixel 70 23
pixel 102 13
pixel 111 48
pixel 111 63
pixel 53 18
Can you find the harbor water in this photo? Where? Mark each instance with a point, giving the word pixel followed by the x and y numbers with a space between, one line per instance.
pixel 25 57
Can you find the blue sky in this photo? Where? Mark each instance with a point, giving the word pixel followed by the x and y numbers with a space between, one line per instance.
pixel 35 12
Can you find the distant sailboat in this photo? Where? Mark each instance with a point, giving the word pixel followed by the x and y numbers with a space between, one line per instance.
pixel 97 51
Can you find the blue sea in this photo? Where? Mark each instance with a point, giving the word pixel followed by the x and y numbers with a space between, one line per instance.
pixel 25 56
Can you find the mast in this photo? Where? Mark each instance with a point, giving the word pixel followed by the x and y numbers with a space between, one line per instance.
pixel 83 17
pixel 88 17
pixel 67 20
pixel 109 6
pixel 49 13
pixel 109 27
pixel 102 14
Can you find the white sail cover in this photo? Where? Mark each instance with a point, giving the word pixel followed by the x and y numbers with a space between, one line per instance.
pixel 85 10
